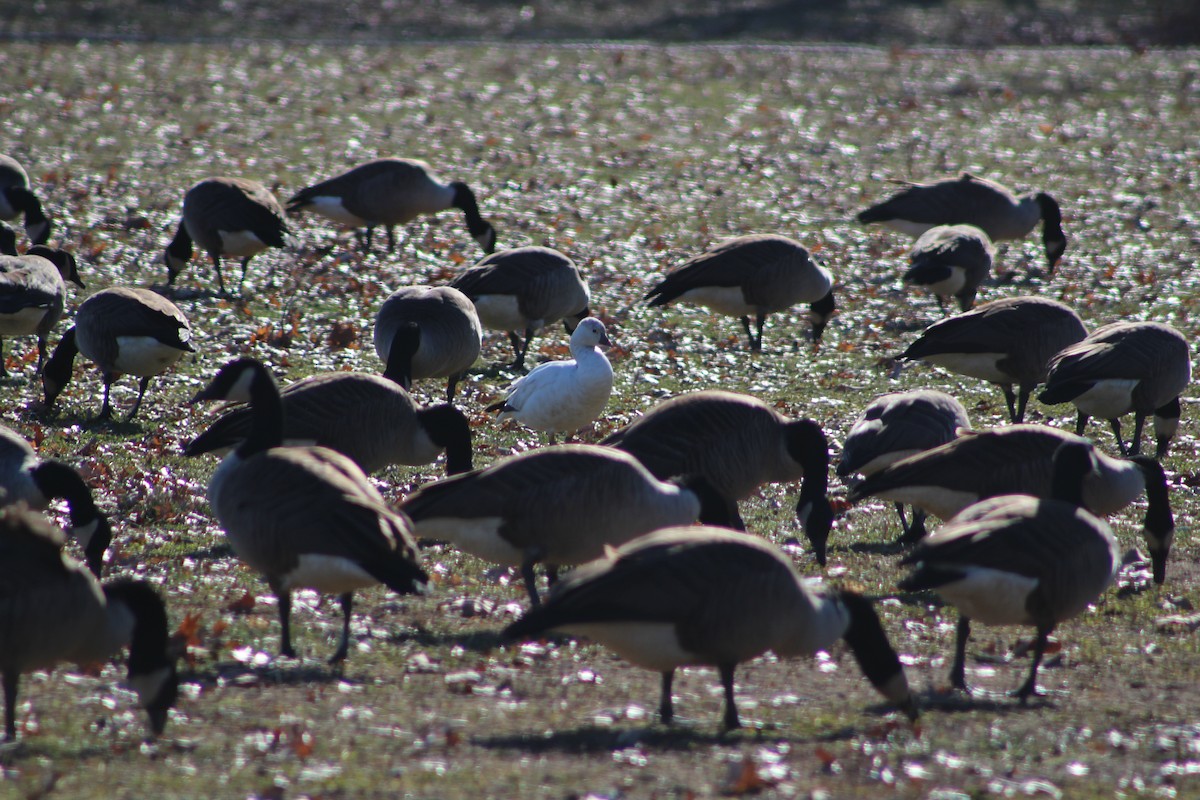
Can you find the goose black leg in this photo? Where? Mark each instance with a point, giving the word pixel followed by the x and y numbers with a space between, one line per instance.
pixel 106 406
pixel 245 263
pixel 749 332
pixel 759 321
pixel 4 369
pixel 958 671
pixel 915 531
pixel 1081 422
pixel 285 621
pixel 1022 401
pixel 731 713
pixel 142 384
pixel 1115 424
pixel 666 711
pixel 220 280
pixel 391 232
pixel 1011 399
pixel 347 601
pixel 1139 421
pixel 1029 688
pixel 532 556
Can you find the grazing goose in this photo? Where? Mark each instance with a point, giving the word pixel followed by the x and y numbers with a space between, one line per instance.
pixel 16 199
pixel 305 517
pixel 367 418
pixel 558 505
pixel 525 289
pixel 1019 560
pixel 898 425
pixel 759 275
pixel 699 596
pixel 563 396
pixel 968 200
pixel 1141 367
pixel 736 443
pixel 53 610
pixel 1019 459
pixel 391 192
pixel 33 294
pixel 226 217
pixel 951 261
pixel 26 479
pixel 124 330
pixel 428 332
pixel 1002 342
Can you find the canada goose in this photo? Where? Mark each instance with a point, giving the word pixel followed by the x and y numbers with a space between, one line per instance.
pixel 759 274
pixel 705 596
pixel 563 396
pixel 26 479
pixel 16 198
pixel 305 517
pixel 33 295
pixel 226 217
pixel 53 610
pixel 1003 342
pixel 968 200
pixel 391 192
pixel 124 330
pixel 898 425
pixel 428 332
pixel 1019 459
pixel 369 419
pixel 951 261
pixel 1141 367
pixel 737 443
pixel 1019 560
pixel 525 289
pixel 558 505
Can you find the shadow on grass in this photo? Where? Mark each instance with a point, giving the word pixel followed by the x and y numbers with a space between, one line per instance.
pixel 279 672
pixel 679 736
pixel 474 641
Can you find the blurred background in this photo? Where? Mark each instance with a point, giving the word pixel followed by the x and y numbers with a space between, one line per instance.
pixel 974 23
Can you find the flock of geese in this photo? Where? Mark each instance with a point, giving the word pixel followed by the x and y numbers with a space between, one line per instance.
pixel 1023 543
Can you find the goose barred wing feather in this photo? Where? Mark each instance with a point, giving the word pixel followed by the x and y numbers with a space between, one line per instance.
pixel 544 280
pixel 233 204
pixel 336 498
pixel 140 312
pixel 774 260
pixel 723 436
pixel 541 478
pixel 965 200
pixel 1068 551
pixel 920 421
pixel 676 577
pixel 1013 461
pixel 1143 351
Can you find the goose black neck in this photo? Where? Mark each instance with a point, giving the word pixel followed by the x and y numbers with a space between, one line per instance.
pixel 1158 526
pixel 808 447
pixel 871 648
pixel 464 199
pixel 266 414
pixel 148 647
pixel 405 343
pixel 55 479
pixel 56 373
pixel 179 250
pixel 1072 463
pixel 448 427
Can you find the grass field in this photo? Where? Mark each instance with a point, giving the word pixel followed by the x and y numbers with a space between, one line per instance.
pixel 628 159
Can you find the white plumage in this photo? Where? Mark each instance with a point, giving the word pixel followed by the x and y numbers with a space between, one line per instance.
pixel 563 396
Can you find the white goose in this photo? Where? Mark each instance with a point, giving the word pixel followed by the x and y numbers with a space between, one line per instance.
pixel 563 396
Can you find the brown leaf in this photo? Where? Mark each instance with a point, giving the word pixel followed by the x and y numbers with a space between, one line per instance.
pixel 242 605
